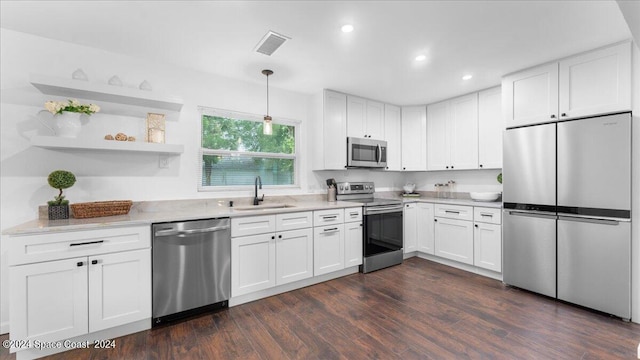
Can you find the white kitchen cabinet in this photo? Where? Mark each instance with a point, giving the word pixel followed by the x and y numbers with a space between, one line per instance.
pixel 49 300
pixel 334 131
pixel 294 255
pixel 393 136
pixel 328 249
pixel 253 263
pixel 414 138
pixel 596 82
pixel 418 227
pixel 591 83
pixel 531 96
pixel 487 246
pixel 352 244
pixel 353 237
pixel 70 283
pixel 365 118
pixel 425 228
pixel 270 250
pixel 119 288
pixel 438 150
pixel 454 239
pixel 410 224
pixel 490 127
pixel 487 238
pixel 60 299
pixel 452 134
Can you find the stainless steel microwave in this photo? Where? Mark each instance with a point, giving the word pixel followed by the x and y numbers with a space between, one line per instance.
pixel 367 153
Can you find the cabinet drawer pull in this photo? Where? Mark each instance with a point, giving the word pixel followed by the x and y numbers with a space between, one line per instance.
pixel 330 217
pixel 94 262
pixel 485 214
pixel 87 243
pixel 79 263
pixel 332 229
pixel 452 212
pixel 353 214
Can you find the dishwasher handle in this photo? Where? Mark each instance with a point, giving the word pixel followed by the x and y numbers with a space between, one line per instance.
pixel 173 232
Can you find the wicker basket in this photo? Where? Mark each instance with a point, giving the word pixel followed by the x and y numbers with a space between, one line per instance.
pixel 101 208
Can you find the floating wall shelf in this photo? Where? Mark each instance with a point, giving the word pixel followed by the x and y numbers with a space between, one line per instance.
pixel 126 101
pixel 55 142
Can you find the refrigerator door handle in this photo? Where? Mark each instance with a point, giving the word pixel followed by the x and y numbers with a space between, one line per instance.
pixel 532 214
pixel 590 220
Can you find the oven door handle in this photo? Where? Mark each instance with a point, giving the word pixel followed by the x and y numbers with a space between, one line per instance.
pixel 383 209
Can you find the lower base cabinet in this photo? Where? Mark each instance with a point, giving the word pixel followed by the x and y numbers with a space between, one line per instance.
pixel 328 249
pixel 253 263
pixel 352 244
pixel 487 247
pixel 61 299
pixel 454 239
pixel 294 255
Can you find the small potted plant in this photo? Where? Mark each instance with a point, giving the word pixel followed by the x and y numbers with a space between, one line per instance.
pixel 59 207
pixel 67 115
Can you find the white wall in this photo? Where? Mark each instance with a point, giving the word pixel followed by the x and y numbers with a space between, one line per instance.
pixel 635 187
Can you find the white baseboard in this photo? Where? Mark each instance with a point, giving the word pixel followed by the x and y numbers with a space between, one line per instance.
pixel 455 264
pixel 238 300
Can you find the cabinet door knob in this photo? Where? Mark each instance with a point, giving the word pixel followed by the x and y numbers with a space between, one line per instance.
pixel 452 166
pixel 563 114
pixel 279 236
pixel 436 220
pixel 79 263
pixel 94 262
pixel 553 116
pixel 273 237
pixel 476 225
pixel 447 167
pixel 480 165
pixel 404 168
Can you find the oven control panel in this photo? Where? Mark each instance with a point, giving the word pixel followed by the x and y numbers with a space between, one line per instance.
pixel 347 188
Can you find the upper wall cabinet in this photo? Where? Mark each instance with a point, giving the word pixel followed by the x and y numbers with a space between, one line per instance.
pixel 414 138
pixel 596 82
pixel 365 118
pixel 111 99
pixel 334 130
pixel 393 135
pixel 452 134
pixel 490 128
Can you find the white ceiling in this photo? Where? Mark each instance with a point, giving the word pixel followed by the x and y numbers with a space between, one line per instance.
pixel 485 38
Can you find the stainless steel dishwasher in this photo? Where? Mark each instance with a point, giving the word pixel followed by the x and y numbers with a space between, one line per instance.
pixel 191 268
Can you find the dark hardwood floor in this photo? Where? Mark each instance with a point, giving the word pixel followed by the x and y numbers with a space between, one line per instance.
pixel 418 310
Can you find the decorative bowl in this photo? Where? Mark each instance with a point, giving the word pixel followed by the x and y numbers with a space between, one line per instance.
pixel 408 189
pixel 484 196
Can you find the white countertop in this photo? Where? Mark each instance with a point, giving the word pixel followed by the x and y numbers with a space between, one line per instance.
pixel 149 216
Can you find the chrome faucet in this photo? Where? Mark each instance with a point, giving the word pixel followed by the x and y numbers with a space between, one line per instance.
pixel 256 199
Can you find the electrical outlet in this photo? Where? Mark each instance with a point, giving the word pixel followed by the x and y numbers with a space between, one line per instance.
pixel 163 162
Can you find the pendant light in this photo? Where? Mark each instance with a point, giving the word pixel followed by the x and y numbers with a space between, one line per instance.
pixel 266 123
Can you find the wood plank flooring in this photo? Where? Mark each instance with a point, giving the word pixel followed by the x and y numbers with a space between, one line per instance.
pixel 417 310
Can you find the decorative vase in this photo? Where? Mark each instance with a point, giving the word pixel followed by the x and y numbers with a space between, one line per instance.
pixel 67 124
pixel 58 212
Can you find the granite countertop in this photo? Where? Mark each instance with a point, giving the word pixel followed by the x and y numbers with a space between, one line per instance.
pixel 146 213
pixel 431 197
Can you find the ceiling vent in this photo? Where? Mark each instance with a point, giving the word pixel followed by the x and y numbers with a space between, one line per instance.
pixel 271 42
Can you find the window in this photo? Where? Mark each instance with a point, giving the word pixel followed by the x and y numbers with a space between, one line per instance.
pixel 234 151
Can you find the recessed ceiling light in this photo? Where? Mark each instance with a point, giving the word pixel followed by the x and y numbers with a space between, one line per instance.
pixel 347 28
pixel 467 77
pixel 421 58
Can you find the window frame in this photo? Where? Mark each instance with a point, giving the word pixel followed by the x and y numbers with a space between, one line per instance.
pixel 237 115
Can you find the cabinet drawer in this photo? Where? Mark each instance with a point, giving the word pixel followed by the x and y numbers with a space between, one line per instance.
pixel 63 245
pixel 353 214
pixel 253 225
pixel 328 217
pixel 454 212
pixel 294 221
pixel 487 215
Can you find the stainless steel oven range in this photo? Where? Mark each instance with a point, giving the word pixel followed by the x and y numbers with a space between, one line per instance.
pixel 382 222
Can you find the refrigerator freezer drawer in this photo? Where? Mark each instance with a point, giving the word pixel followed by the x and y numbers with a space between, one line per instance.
pixel 529 251
pixel 593 153
pixel 594 264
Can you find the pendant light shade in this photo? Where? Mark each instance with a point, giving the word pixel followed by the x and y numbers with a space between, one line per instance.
pixel 266 123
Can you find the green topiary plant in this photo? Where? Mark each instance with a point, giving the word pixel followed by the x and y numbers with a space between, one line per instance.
pixel 500 178
pixel 60 179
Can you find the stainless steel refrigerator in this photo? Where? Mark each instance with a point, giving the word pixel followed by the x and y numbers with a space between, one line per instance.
pixel 567 211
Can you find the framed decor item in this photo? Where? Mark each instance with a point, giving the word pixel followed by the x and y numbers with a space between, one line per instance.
pixel 155 128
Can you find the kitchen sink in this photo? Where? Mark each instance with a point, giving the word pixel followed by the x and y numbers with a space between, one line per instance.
pixel 263 207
